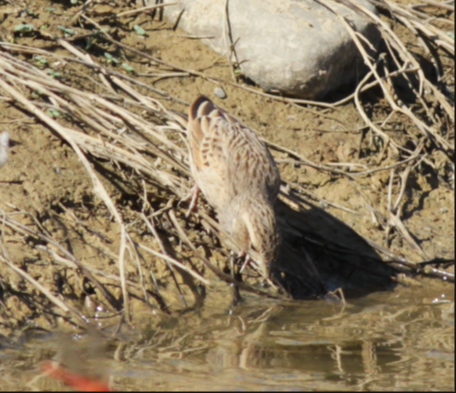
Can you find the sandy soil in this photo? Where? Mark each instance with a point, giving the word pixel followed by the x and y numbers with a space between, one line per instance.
pixel 45 185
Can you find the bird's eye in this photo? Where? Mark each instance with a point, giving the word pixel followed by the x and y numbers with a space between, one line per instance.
pixel 254 248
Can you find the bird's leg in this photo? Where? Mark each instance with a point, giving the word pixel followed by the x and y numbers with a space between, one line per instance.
pixel 246 261
pixel 237 298
pixel 193 198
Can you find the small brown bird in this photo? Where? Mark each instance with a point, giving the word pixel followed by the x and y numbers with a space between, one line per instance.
pixel 238 176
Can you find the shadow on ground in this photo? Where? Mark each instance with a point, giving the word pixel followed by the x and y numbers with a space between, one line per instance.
pixel 321 254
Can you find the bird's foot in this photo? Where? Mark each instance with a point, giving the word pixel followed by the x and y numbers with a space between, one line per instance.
pixel 192 197
pixel 246 261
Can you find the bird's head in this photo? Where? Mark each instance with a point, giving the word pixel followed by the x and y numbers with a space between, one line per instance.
pixel 252 224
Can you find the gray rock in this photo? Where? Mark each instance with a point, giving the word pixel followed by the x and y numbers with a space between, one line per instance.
pixel 220 93
pixel 293 47
pixel 4 146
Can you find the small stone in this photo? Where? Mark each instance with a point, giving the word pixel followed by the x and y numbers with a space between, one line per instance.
pixel 4 146
pixel 220 93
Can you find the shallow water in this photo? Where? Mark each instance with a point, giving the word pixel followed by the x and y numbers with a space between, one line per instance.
pixel 398 340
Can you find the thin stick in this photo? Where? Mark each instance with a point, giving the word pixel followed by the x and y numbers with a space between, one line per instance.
pixel 147 8
pixel 59 303
pixel 27 231
pixel 175 263
pixel 151 227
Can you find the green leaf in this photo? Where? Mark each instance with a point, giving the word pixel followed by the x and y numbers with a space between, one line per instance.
pixel 90 42
pixel 41 60
pixel 139 30
pixel 29 13
pixel 50 9
pixel 53 113
pixel 451 34
pixel 53 74
pixel 66 30
pixel 111 58
pixel 128 67
pixel 24 27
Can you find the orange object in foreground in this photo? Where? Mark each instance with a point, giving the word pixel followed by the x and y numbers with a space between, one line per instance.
pixel 79 382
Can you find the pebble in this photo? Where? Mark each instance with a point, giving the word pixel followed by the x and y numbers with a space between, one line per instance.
pixel 220 93
pixel 4 146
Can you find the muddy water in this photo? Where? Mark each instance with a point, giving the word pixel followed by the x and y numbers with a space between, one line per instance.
pixel 398 340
